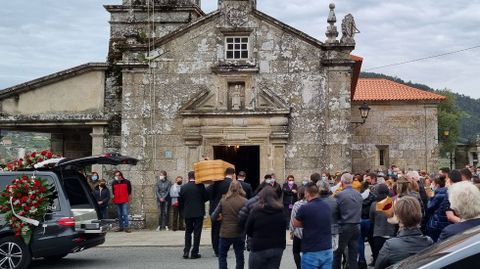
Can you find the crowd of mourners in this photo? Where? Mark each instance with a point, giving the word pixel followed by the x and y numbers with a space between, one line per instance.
pixel 329 217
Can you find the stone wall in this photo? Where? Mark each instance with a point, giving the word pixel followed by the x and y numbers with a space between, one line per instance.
pixel 407 131
pixel 283 63
pixel 82 93
pixel 135 25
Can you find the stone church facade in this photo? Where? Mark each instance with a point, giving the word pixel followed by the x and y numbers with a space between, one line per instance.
pixel 179 85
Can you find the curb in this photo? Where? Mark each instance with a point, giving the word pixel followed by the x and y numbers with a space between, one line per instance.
pixel 147 246
pixel 155 246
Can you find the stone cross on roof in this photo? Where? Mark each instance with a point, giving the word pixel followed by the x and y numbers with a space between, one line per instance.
pixel 332 32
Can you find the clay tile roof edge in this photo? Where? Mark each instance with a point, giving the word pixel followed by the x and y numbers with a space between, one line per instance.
pixel 379 89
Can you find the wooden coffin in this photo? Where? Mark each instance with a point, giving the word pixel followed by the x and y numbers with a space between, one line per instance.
pixel 212 170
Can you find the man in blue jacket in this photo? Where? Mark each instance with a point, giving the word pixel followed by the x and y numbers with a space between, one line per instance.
pixel 315 219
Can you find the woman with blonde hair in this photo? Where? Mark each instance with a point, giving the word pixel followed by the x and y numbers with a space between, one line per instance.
pixel 231 232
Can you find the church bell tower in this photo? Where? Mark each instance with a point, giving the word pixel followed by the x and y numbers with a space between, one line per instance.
pixel 137 22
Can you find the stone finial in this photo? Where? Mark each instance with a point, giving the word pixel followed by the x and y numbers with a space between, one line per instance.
pixel 332 32
pixel 349 29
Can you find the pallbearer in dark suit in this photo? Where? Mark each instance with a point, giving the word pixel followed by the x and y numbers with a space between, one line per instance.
pixel 247 188
pixel 192 202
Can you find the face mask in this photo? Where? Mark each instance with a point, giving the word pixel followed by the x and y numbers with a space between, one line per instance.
pixel 305 182
pixel 102 185
pixel 117 178
pixel 324 178
pixel 269 181
pixel 290 182
pixel 432 186
pixel 94 178
pixel 162 177
pixel 179 182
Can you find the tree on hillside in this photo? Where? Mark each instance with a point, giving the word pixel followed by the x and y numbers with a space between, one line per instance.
pixel 448 120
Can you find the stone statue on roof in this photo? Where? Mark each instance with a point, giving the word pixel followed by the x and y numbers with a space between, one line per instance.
pixel 349 29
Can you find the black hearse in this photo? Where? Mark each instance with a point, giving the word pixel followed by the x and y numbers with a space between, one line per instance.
pixel 71 225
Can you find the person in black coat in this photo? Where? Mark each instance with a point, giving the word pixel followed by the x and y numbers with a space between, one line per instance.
pixel 247 188
pixel 266 227
pixel 192 203
pixel 102 196
pixel 289 190
pixel 216 192
pixel 410 239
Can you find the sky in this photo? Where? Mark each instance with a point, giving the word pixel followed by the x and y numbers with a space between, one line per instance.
pixel 41 37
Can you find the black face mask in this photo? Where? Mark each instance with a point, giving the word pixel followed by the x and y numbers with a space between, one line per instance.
pixel 103 185
pixel 179 183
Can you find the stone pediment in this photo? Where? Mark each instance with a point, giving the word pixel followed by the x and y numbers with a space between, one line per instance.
pixel 236 100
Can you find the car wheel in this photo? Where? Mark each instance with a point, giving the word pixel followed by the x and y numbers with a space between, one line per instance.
pixel 14 253
pixel 55 257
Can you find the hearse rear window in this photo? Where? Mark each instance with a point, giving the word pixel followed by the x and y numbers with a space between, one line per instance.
pixel 7 179
pixel 76 193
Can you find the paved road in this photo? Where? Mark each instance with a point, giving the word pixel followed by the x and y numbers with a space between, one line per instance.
pixel 145 257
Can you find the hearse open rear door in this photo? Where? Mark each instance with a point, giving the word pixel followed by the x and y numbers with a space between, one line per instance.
pixel 85 210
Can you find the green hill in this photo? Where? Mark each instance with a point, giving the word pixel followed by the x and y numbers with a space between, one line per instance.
pixel 469 107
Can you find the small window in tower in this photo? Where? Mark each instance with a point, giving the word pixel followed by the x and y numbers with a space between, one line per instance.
pixel 382 157
pixel 236 48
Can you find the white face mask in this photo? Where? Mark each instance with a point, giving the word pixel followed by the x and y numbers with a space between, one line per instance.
pixel 324 178
pixel 162 177
pixel 269 181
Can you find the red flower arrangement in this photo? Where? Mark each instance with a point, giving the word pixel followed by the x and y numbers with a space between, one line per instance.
pixel 24 203
pixel 26 200
pixel 30 160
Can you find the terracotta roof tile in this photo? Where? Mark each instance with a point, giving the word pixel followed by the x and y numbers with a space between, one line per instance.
pixel 356 58
pixel 373 89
